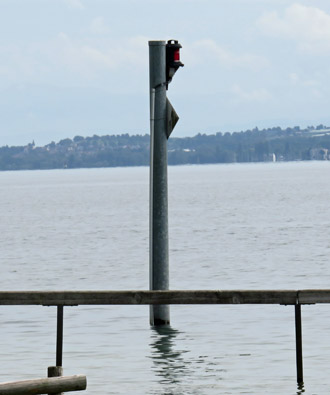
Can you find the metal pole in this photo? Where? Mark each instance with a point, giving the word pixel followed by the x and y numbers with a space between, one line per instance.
pixel 299 356
pixel 159 265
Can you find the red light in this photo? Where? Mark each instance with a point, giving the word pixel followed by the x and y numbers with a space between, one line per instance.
pixel 177 55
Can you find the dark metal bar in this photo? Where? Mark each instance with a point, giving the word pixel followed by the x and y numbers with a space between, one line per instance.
pixel 299 356
pixel 59 336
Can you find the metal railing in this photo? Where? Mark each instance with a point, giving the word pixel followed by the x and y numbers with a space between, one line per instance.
pixel 60 299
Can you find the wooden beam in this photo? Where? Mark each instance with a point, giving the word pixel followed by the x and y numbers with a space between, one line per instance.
pixel 312 296
pixel 51 385
pixel 72 298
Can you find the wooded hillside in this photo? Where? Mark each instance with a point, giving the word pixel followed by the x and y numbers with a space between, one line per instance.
pixel 254 145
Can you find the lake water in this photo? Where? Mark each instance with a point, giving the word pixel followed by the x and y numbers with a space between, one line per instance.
pixel 237 226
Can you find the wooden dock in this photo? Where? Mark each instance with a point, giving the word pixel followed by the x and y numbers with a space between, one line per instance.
pixel 296 298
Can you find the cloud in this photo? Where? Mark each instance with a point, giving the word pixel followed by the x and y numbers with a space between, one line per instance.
pixel 91 56
pixel 20 63
pixel 98 26
pixel 74 4
pixel 256 95
pixel 308 86
pixel 309 27
pixel 67 58
pixel 295 79
pixel 208 49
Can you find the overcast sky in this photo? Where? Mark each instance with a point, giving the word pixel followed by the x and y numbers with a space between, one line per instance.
pixel 80 67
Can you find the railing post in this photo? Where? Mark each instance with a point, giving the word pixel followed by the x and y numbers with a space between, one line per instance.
pixel 59 337
pixel 56 371
pixel 299 356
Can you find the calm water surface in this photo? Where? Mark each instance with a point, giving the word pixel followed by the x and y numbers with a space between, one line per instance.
pixel 249 226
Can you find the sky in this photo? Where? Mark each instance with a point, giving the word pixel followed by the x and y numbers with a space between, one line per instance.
pixel 80 67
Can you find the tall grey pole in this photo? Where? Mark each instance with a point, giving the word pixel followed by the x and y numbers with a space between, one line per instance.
pixel 159 265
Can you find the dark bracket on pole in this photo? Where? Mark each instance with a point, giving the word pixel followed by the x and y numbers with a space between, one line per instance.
pixel 171 117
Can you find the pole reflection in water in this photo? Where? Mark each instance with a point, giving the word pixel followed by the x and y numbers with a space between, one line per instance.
pixel 300 389
pixel 181 365
pixel 169 364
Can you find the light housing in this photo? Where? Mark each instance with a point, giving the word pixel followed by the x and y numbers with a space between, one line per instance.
pixel 172 59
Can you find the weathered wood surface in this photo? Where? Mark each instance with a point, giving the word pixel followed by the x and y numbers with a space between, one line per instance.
pixel 55 371
pixel 51 385
pixel 73 298
pixel 312 296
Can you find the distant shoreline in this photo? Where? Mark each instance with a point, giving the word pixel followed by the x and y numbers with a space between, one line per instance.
pixel 267 145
